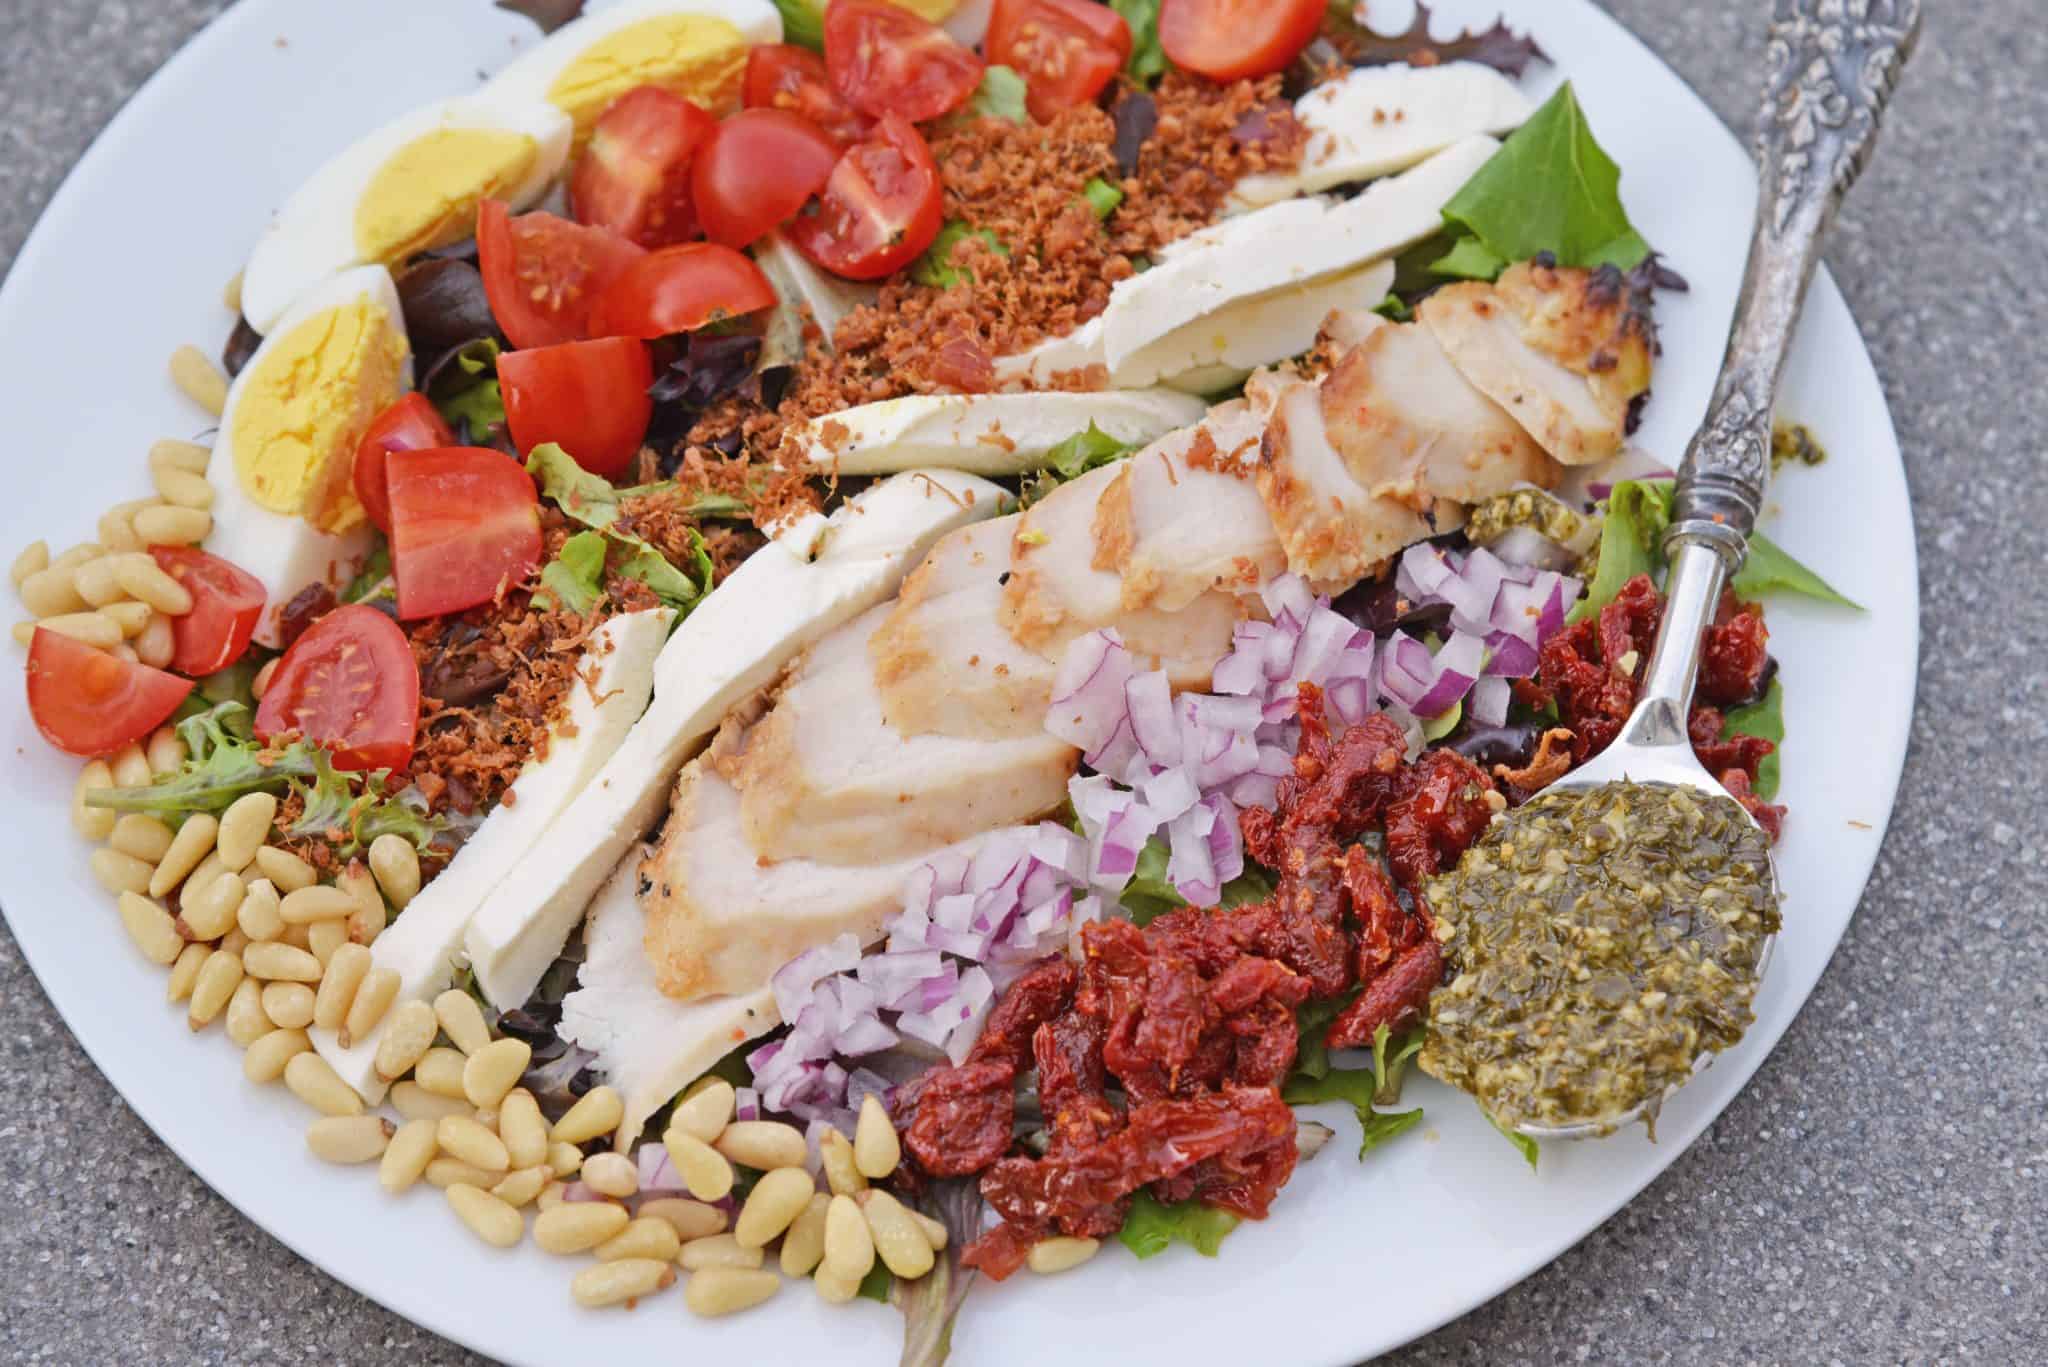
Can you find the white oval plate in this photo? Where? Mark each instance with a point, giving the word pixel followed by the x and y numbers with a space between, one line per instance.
pixel 129 261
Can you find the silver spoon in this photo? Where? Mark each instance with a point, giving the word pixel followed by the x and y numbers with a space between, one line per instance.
pixel 1832 66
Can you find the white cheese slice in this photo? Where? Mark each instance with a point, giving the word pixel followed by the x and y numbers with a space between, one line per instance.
pixel 648 1045
pixel 1383 119
pixel 796 280
pixel 990 434
pixel 778 601
pixel 1232 342
pixel 1043 364
pixel 425 943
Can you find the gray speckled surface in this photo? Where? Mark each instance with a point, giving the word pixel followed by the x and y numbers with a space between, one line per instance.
pixel 1879 1193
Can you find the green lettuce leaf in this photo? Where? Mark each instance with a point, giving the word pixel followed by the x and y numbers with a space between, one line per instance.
pixel 1150 893
pixel 1147 62
pixel 1519 1140
pixel 1151 1228
pixel 999 96
pixel 1470 259
pixel 1071 459
pixel 1390 1062
pixel 1377 1127
pixel 466 392
pixel 373 576
pixel 1391 307
pixel 593 501
pixel 877 1285
pixel 1102 197
pixel 936 269
pixel 932 1303
pixel 1361 1088
pixel 1768 569
pixel 1312 1027
pixel 574 580
pixel 803 23
pixel 1766 718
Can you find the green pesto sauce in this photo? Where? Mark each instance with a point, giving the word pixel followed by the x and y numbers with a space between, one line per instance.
pixel 1793 443
pixel 1545 513
pixel 1602 939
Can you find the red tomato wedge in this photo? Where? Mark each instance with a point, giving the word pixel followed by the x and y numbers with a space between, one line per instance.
pixel 411 424
pixel 680 289
pixel 591 397
pixel 541 273
pixel 786 77
pixel 881 208
pixel 885 60
pixel 87 702
pixel 1066 50
pixel 1227 40
pixel 634 178
pixel 465 521
pixel 757 170
pixel 348 683
pixel 227 602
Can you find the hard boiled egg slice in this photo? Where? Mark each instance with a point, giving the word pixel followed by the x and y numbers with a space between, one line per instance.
pixel 284 506
pixel 411 185
pixel 696 48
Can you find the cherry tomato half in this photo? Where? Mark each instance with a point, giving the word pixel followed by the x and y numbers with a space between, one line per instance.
pixel 680 289
pixel 1066 50
pixel 591 397
pixel 757 170
pixel 349 683
pixel 885 60
pixel 634 178
pixel 87 702
pixel 465 520
pixel 787 77
pixel 1227 40
pixel 411 424
pixel 227 602
pixel 881 208
pixel 541 273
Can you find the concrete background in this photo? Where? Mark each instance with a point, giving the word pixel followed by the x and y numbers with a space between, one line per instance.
pixel 1877 1194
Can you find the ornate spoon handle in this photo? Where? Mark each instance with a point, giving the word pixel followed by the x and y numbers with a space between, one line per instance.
pixel 1831 66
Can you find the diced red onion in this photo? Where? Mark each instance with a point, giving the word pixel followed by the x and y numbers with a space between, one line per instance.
pixel 657 1171
pixel 1487 704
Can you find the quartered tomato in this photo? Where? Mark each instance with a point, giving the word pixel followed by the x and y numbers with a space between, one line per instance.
pixel 680 289
pixel 1226 40
pixel 591 397
pixel 885 60
pixel 1066 50
pixel 349 683
pixel 465 521
pixel 541 273
pixel 786 77
pixel 87 702
pixel 411 424
pixel 757 170
pixel 881 208
pixel 634 178
pixel 227 601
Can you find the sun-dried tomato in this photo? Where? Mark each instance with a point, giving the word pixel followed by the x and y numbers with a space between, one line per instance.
pixel 964 1117
pixel 1440 811
pixel 1768 815
pixel 1003 1250
pixel 1072 1083
pixel 1383 925
pixel 1035 998
pixel 1395 999
pixel 1734 654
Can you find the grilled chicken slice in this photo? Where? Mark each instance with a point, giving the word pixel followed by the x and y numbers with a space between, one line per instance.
pixel 1560 349
pixel 1410 427
pixel 824 777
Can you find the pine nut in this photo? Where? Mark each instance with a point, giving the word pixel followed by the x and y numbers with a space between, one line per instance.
pixel 231 294
pixel 462 1137
pixel 718 1250
pixel 120 873
pixel 523 1128
pixel 338 984
pixel 284 869
pixel 117 526
pixel 834 1289
pixel 522 1186
pixel 728 1290
pixel 144 579
pixel 199 378
pixel 773 1205
pixel 849 1244
pixel 287 1004
pixel 151 927
pixel 185 972
pixel 172 454
pixel 51 592
pixel 313 1081
pixel 690 1219
pixel 174 525
pixel 462 1020
pixel 706 1173
pixel 415 1102
pixel 259 916
pixel 552 1195
pixel 247 1020
pixel 643 1237
pixel 34 559
pixel 440 1072
pixel 899 1243
pixel 131 770
pixel 210 912
pixel 154 645
pixel 317 903
pixel 323 938
pixel 578 1226
pixel 934 1230
pixel 220 977
pixel 94 823
pixel 598 1111
pixel 405 1040
pixel 193 843
pixel 349 1138
pixel 763 1145
pixel 244 826
pixel 405 1159
pixel 1048 1256
pixel 97 581
pixel 494 1070
pixel 260 685
pixel 80 554
pixel 397 866
pixel 366 918
pixel 187 491
pixel 235 941
pixel 803 1247
pixel 566 1160
pixel 447 1172
pixel 611 1174
pixel 280 963
pixel 131 618
pixel 121 650
pixel 87 627
pixel 142 836
pixel 209 869
pixel 265 1060
pixel 706 1112
pixel 621 1282
pixel 842 1170
pixel 166 753
pixel 379 989
pixel 490 1219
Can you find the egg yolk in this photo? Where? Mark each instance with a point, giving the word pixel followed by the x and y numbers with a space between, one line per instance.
pixel 305 404
pixel 425 195
pixel 701 58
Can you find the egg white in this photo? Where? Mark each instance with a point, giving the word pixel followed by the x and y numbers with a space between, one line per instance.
pixel 313 236
pixel 533 74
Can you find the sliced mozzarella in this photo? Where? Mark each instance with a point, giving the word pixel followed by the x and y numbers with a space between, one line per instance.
pixel 1231 343
pixel 1043 364
pixel 1383 119
pixel 797 281
pixel 649 1046
pixel 425 943
pixel 990 434
pixel 778 601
